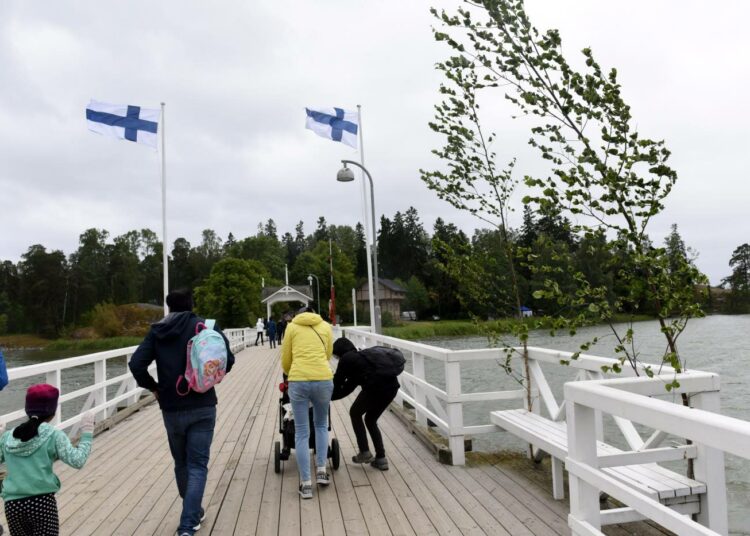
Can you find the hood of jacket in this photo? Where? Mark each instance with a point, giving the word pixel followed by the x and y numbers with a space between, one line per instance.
pixel 26 448
pixel 172 325
pixel 307 319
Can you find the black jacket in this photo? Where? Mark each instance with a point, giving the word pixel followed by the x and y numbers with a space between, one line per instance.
pixel 352 371
pixel 166 343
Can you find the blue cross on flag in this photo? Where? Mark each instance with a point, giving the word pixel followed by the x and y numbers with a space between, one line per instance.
pixel 335 124
pixel 124 121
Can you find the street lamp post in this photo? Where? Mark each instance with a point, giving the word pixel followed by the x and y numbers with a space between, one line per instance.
pixel 347 175
pixel 317 284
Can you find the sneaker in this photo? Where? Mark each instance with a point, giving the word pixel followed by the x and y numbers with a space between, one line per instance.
pixel 380 463
pixel 305 491
pixel 363 457
pixel 203 516
pixel 184 534
pixel 322 478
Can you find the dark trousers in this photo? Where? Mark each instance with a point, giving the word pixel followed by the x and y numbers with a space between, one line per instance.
pixel 272 340
pixel 371 404
pixel 259 336
pixel 190 433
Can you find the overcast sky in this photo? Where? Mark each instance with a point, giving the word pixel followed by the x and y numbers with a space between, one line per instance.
pixel 237 75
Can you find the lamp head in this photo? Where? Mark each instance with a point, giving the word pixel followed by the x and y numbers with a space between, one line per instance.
pixel 345 175
pixel 309 279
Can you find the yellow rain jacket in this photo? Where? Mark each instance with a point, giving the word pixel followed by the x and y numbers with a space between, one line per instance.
pixel 307 347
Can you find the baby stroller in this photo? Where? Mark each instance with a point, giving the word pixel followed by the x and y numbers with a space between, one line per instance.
pixel 283 448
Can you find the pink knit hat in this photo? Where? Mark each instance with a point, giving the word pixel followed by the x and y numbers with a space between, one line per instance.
pixel 41 400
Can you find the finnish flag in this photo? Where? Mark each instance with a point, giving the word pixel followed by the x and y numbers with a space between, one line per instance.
pixel 335 124
pixel 124 121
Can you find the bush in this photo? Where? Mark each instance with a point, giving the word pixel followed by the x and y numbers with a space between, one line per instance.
pixel 3 324
pixel 105 321
pixel 387 320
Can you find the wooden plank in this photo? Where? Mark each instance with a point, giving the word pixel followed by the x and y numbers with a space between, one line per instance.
pixel 395 517
pixel 261 466
pixel 227 498
pixel 417 456
pixel 525 512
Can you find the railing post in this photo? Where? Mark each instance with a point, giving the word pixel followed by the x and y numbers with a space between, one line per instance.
pixel 131 384
pixel 54 377
pixel 455 413
pixel 709 469
pixel 100 395
pixel 584 498
pixel 417 364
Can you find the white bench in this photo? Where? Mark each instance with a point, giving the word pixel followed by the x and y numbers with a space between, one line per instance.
pixel 670 488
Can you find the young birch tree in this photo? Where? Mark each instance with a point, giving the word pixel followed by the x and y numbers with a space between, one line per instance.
pixel 604 173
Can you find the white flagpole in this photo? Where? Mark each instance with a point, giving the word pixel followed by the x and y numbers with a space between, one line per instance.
pixel 373 323
pixel 165 255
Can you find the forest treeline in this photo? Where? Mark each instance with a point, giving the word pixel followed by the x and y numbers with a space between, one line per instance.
pixel 445 272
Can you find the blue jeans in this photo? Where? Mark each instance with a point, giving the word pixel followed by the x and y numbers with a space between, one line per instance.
pixel 190 433
pixel 301 394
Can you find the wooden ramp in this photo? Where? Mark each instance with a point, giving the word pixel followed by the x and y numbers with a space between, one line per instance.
pixel 127 487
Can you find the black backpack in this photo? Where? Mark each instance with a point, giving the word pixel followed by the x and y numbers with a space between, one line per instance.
pixel 382 363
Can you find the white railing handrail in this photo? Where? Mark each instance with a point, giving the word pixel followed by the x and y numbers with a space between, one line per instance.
pixel 711 433
pixel 128 393
pixel 66 363
pixel 718 431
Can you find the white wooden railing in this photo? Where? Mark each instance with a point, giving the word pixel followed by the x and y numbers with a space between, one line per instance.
pixel 626 397
pixel 445 406
pixel 711 433
pixel 96 393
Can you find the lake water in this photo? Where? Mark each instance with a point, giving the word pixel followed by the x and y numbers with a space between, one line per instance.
pixel 13 396
pixel 716 343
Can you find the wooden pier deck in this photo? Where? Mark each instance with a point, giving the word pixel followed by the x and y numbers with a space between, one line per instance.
pixel 127 487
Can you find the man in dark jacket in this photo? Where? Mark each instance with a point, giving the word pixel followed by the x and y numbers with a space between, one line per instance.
pixel 190 419
pixel 372 401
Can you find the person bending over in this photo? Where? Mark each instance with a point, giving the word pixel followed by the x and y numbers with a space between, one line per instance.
pixel 376 371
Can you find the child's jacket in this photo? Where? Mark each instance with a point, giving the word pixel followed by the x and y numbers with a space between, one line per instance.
pixel 30 462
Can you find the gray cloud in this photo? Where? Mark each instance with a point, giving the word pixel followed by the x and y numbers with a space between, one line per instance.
pixel 237 75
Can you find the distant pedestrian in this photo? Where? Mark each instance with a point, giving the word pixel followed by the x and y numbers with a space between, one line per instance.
pixel 189 419
pixel 375 370
pixel 280 329
pixel 259 329
pixel 271 332
pixel 29 450
pixel 305 353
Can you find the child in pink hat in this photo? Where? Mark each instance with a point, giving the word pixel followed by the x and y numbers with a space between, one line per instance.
pixel 29 450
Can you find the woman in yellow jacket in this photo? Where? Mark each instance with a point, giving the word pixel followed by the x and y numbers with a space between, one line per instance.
pixel 305 352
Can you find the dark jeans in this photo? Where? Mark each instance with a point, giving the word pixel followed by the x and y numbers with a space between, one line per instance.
pixel 272 340
pixel 371 403
pixel 259 337
pixel 190 433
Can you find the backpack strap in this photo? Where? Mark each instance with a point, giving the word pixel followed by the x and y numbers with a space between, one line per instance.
pixel 177 387
pixel 325 348
pixel 210 323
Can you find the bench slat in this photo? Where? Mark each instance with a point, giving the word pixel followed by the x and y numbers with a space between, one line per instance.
pixel 650 479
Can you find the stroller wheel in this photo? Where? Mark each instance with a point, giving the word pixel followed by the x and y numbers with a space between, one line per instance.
pixel 277 457
pixel 335 453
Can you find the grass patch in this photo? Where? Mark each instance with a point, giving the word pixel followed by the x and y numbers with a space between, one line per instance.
pixel 426 329
pixel 413 331
pixel 23 341
pixel 92 345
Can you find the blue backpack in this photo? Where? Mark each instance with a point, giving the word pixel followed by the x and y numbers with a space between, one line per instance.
pixel 3 372
pixel 206 359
